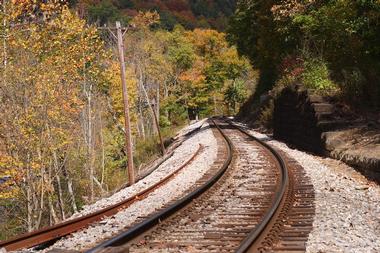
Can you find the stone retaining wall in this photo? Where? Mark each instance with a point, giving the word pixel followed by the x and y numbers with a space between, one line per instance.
pixel 299 118
pixel 309 122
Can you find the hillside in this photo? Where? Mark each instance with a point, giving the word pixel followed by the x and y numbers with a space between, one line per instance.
pixel 189 13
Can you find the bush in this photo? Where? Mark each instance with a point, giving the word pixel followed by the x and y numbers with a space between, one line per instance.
pixel 353 82
pixel 164 121
pixel 266 115
pixel 316 75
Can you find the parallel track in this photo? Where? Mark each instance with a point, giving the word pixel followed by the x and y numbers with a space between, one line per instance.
pixel 52 233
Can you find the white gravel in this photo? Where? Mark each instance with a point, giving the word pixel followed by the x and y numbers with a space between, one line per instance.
pixel 157 199
pixel 181 154
pixel 347 215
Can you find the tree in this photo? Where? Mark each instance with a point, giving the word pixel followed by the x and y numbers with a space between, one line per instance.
pixel 47 112
pixel 235 94
pixel 345 34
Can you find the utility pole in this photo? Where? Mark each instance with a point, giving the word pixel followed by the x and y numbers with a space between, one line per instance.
pixel 127 122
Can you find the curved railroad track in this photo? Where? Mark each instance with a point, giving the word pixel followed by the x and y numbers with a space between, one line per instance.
pixel 50 234
pixel 252 199
pixel 260 200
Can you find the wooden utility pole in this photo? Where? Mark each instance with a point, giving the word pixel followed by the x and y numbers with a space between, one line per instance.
pixel 127 122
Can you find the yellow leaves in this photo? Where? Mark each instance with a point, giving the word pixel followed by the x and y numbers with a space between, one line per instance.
pixel 27 10
pixel 49 62
pixel 9 174
pixel 144 20
pixel 115 89
pixel 9 194
pixel 206 41
pixel 8 162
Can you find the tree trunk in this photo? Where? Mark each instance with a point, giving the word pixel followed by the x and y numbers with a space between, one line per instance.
pixel 60 198
pixel 142 127
pixel 215 109
pixel 53 215
pixel 99 185
pixel 5 53
pixel 29 200
pixel 158 104
pixel 59 186
pixel 42 194
pixel 90 142
pixel 70 188
pixel 166 95
pixel 102 147
pixel 154 115
pixel 41 209
pixel 155 120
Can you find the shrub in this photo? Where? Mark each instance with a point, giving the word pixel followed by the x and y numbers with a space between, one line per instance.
pixel 164 121
pixel 266 115
pixel 316 75
pixel 353 82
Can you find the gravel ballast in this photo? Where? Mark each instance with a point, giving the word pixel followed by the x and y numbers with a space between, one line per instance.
pixel 347 205
pixel 172 190
pixel 181 154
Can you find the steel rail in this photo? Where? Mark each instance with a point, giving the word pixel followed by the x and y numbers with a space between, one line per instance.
pixel 148 223
pixel 57 231
pixel 170 151
pixel 157 162
pixel 252 237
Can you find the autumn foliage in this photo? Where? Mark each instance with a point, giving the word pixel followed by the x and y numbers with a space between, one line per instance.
pixel 61 107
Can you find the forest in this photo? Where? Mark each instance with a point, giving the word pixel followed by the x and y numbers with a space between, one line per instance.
pixel 330 46
pixel 62 120
pixel 190 14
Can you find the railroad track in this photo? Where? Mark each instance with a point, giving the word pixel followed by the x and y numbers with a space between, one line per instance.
pixel 253 198
pixel 46 236
pixel 256 200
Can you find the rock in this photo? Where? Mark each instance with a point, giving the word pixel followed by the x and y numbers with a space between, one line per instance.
pixel 315 99
pixel 361 187
pixel 332 144
pixel 323 107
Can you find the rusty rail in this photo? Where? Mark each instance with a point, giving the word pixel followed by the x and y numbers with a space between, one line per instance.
pixel 156 218
pixel 252 237
pixel 57 231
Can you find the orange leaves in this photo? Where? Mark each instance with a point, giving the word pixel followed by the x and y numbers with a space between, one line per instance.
pixel 207 42
pixel 145 19
pixel 195 74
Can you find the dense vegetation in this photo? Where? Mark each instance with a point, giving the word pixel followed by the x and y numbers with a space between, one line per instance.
pixel 61 109
pixel 189 13
pixel 326 44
